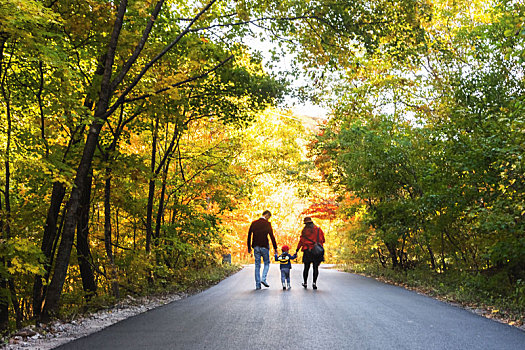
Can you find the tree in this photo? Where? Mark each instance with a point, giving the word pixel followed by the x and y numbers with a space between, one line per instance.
pixel 431 145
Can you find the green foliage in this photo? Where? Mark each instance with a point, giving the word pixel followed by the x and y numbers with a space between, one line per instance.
pixel 25 257
pixel 25 260
pixel 433 151
pixel 20 18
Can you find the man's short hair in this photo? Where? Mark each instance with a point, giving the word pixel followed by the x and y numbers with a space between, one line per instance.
pixel 266 212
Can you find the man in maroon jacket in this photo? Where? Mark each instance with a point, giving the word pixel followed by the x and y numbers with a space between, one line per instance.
pixel 258 240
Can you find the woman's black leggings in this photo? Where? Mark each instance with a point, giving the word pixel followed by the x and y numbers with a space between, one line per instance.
pixel 307 269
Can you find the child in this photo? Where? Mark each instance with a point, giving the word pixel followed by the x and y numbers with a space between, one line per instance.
pixel 285 261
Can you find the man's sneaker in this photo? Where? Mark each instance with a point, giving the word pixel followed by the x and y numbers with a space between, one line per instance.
pixel 304 285
pixel 289 286
pixel 265 284
pixel 258 287
pixel 314 286
pixel 284 286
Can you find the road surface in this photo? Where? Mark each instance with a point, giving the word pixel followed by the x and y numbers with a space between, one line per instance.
pixel 346 312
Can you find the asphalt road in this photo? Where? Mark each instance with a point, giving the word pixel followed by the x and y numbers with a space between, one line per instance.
pixel 346 312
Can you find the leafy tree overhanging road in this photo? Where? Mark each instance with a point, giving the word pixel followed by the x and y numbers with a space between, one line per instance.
pixel 346 312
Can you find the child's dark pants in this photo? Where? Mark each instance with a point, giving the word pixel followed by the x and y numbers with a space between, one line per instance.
pixel 285 275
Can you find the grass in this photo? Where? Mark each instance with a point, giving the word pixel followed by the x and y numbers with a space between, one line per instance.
pixel 194 281
pixel 492 296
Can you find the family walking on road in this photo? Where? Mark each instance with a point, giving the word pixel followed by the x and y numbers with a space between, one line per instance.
pixel 311 244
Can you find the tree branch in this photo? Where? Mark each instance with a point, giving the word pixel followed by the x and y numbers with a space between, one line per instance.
pixel 181 82
pixel 254 21
pixel 138 49
pixel 122 98
pixel 112 48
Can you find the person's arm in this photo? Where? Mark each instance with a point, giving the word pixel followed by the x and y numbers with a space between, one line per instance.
pixel 300 244
pixel 274 243
pixel 250 239
pixel 321 236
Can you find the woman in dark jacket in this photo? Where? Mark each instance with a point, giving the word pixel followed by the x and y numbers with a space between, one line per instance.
pixel 309 236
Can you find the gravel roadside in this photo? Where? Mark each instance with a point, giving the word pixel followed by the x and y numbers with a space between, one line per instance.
pixel 49 336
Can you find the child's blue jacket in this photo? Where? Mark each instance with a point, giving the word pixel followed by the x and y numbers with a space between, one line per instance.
pixel 285 260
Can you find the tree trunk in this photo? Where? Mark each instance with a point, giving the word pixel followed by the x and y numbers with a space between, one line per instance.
pixel 51 233
pixel 50 237
pixel 6 219
pixel 135 236
pixel 393 254
pixel 107 215
pixel 4 301
pixel 164 165
pixel 4 36
pixel 151 189
pixel 100 116
pixel 16 306
pixel 403 258
pixel 54 290
pixel 432 258
pixel 160 212
pixel 83 252
pixel 118 231
pixel 443 263
pixel 41 107
pixel 151 195
pixel 107 235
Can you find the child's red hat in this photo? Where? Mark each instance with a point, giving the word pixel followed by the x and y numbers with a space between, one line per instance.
pixel 286 248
